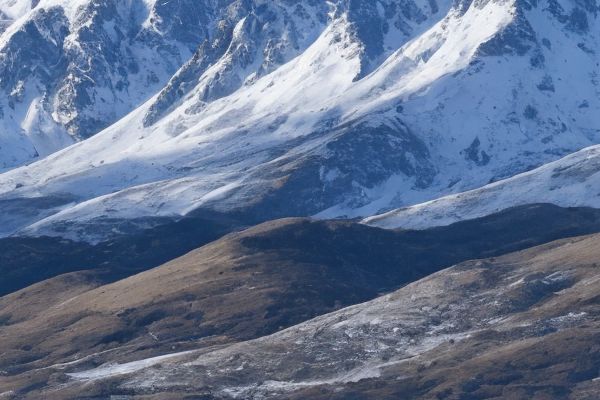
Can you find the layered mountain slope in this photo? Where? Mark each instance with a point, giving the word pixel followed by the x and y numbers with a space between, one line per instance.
pixel 28 260
pixel 391 103
pixel 70 68
pixel 573 181
pixel 524 325
pixel 241 287
pixel 102 59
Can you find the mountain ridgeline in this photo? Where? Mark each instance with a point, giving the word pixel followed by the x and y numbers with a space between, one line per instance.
pixel 270 109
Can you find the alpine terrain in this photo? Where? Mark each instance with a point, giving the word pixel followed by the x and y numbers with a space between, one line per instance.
pixel 297 108
pixel 299 199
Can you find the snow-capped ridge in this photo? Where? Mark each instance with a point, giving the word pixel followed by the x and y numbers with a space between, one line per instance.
pixel 457 98
pixel 90 63
pixel 573 181
pixel 268 35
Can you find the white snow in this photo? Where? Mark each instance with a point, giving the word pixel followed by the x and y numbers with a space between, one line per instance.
pixel 30 124
pixel 573 181
pixel 109 370
pixel 15 9
pixel 205 154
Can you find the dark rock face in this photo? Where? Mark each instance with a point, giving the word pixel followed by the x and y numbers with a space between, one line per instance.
pixel 91 67
pixel 576 19
pixel 267 35
pixel 475 154
pixel 77 91
pixel 184 21
pixel 334 168
pixel 372 21
pixel 107 37
pixel 369 28
pixel 370 154
pixel 358 158
pixel 39 41
pixel 517 38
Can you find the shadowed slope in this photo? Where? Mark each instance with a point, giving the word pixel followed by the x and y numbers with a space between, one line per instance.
pixel 522 326
pixel 244 286
pixel 25 261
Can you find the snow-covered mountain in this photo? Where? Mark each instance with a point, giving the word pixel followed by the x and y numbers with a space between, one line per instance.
pixel 71 68
pixel 344 108
pixel 573 181
pixel 11 10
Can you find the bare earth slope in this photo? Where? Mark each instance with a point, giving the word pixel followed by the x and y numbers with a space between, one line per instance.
pixel 242 287
pixel 522 326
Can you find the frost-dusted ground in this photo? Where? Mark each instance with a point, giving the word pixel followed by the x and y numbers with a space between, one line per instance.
pixel 490 308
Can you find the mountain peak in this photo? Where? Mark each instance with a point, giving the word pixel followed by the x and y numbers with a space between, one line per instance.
pixel 351 109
